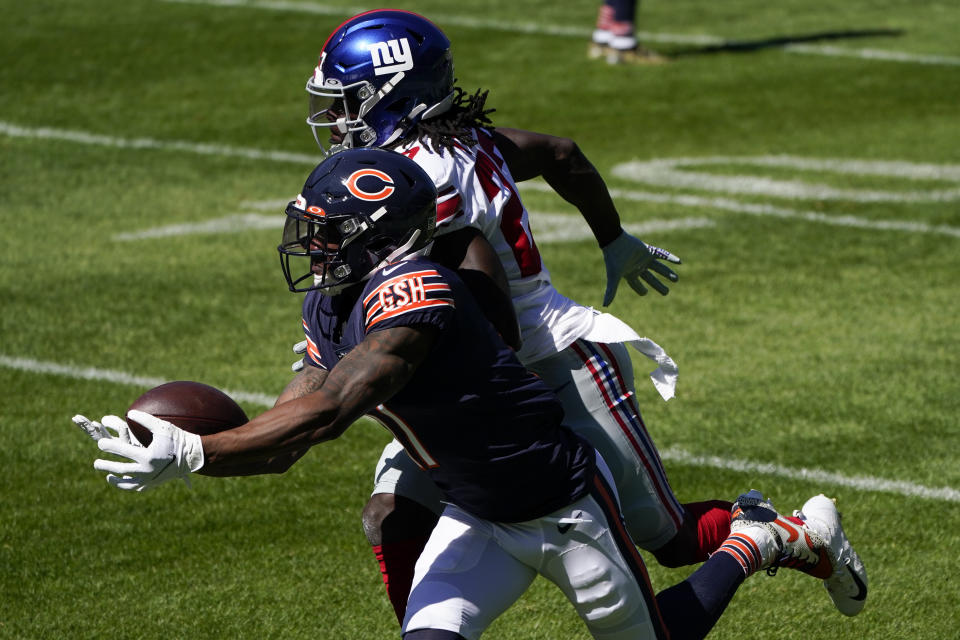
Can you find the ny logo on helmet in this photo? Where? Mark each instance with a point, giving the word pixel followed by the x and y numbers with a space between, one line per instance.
pixel 391 56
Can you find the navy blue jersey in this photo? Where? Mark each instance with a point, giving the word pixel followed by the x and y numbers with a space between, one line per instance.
pixel 486 430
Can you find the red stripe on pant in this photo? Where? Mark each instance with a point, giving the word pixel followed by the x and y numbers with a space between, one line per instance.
pixel 623 413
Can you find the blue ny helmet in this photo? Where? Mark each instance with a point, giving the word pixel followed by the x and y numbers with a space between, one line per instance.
pixel 380 73
pixel 360 210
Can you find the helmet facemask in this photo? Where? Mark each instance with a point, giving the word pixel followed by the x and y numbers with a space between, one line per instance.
pixel 320 245
pixel 358 211
pixel 342 250
pixel 342 108
pixel 378 76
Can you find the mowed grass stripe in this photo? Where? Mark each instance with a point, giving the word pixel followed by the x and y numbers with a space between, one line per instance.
pixel 864 483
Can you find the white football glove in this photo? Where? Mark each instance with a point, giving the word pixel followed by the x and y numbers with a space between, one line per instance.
pixel 300 348
pixel 632 259
pixel 173 453
pixel 97 430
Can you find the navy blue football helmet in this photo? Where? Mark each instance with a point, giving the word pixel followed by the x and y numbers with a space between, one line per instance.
pixel 380 73
pixel 360 210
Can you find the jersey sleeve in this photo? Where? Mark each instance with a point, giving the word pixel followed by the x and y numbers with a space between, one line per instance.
pixel 442 169
pixel 312 355
pixel 407 294
pixel 449 207
pixel 311 331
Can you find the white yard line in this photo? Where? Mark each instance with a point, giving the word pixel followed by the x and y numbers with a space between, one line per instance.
pixel 737 206
pixel 918 172
pixel 873 54
pixel 117 377
pixel 682 173
pixel 818 476
pixel 83 137
pixel 226 224
pixel 550 227
pixel 583 32
pixel 562 227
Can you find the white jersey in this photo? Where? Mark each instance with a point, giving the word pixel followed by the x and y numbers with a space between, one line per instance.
pixel 571 347
pixel 476 190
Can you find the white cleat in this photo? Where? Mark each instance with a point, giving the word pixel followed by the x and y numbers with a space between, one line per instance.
pixel 847 585
pixel 790 545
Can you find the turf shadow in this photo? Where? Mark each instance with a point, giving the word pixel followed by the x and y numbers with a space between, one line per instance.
pixel 747 46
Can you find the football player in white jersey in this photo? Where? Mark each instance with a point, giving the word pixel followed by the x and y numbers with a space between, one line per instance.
pixel 385 79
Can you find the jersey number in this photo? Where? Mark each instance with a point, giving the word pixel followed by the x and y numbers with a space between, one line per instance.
pixel 519 238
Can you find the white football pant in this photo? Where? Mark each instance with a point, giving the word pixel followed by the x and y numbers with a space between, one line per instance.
pixel 472 570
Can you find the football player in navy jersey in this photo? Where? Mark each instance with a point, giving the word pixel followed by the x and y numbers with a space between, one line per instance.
pixel 385 79
pixel 400 338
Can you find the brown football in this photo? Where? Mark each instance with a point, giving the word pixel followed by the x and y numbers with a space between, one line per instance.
pixel 192 406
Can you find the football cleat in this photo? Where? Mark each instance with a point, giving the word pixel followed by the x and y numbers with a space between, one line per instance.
pixel 789 544
pixel 847 585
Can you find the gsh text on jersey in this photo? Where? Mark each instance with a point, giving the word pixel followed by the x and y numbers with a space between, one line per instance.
pixel 404 292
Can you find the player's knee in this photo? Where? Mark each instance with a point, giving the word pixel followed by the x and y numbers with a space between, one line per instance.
pixel 605 598
pixel 377 509
pixel 392 518
pixel 613 608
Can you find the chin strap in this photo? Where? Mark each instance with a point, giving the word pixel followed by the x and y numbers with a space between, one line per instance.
pixel 440 108
pixel 401 253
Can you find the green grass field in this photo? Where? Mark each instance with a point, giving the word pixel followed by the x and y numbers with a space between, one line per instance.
pixel 803 158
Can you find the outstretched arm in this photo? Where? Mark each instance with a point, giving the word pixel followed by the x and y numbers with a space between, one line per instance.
pixel 568 171
pixel 366 377
pixel 308 380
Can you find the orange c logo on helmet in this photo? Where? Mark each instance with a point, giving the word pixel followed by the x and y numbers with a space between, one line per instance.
pixel 370 195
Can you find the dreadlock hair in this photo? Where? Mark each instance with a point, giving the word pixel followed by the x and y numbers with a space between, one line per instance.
pixel 465 114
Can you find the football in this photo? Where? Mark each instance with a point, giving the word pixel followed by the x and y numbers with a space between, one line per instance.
pixel 192 406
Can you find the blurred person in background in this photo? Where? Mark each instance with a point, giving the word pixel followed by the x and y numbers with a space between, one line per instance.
pixel 614 38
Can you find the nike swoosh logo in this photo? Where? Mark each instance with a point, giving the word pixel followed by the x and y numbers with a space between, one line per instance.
pixel 388 270
pixel 563 528
pixel 861 588
pixel 791 528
